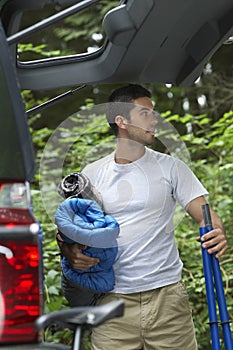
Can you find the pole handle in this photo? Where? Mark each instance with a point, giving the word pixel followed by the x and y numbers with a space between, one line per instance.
pixel 206 215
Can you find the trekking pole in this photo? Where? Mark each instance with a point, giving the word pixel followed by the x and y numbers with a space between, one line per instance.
pixel 213 278
pixel 210 294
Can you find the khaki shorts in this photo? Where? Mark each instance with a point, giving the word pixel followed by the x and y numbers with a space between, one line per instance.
pixel 158 319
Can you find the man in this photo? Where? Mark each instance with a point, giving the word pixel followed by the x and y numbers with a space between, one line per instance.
pixel 140 188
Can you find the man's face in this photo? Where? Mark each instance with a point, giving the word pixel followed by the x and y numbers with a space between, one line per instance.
pixel 141 126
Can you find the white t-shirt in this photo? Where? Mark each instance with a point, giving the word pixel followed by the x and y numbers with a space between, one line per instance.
pixel 142 197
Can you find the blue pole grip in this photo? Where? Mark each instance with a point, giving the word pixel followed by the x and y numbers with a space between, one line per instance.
pixel 210 295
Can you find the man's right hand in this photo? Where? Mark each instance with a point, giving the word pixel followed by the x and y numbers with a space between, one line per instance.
pixel 72 252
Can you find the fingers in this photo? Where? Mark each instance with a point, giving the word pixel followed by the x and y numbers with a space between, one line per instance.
pixel 215 241
pixel 83 262
pixel 76 258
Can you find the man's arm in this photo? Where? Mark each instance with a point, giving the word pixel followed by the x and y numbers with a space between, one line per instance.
pixel 215 240
pixel 72 252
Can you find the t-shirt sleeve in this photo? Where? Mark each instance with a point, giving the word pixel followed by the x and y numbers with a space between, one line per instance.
pixel 186 186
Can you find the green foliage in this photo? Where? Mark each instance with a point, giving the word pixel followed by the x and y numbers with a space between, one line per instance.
pixel 210 146
pixel 39 49
pixel 35 51
pixel 211 149
pixel 81 27
pixel 80 139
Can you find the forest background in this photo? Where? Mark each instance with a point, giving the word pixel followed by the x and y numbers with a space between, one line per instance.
pixel 202 115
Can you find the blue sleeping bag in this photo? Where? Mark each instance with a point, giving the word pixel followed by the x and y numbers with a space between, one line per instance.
pixel 82 221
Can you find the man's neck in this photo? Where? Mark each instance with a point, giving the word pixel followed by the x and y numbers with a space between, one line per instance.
pixel 128 151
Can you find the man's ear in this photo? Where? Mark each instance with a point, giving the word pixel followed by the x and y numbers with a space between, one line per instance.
pixel 120 121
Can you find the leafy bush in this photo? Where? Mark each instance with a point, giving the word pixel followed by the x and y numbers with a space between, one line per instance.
pixel 210 147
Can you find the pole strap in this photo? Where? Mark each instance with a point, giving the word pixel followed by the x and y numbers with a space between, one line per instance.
pixel 219 322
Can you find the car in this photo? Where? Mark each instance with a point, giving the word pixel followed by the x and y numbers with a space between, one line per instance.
pixel 145 41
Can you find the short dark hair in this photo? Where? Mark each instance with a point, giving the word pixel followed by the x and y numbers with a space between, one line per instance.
pixel 126 94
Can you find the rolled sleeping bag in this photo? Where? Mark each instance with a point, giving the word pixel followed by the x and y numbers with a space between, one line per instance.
pixel 99 277
pixel 83 221
pixel 78 184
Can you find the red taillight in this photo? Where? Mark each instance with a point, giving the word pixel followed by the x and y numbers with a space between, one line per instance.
pixel 15 216
pixel 20 283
